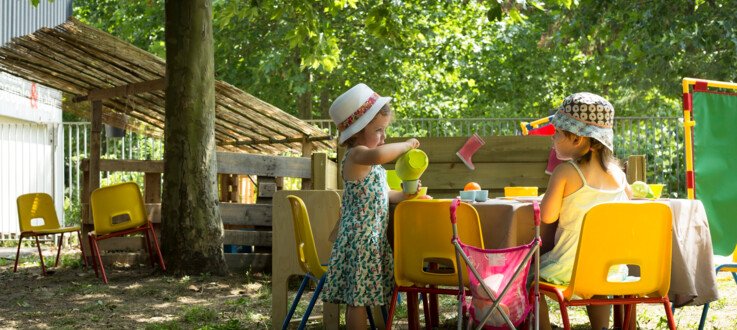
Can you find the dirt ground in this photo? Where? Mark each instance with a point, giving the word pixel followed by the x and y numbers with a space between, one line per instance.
pixel 141 297
pixel 137 297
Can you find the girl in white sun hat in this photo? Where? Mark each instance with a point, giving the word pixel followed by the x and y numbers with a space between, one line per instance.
pixel 584 137
pixel 360 272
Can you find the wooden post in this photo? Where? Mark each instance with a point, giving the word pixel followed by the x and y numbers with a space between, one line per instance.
pixel 95 140
pixel 229 188
pixel 339 160
pixel 307 149
pixel 224 187
pixel 636 168
pixel 86 213
pixel 152 187
pixel 319 163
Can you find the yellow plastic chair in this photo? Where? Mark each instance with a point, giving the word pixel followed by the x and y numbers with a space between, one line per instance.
pixel 727 268
pixel 41 206
pixel 630 233
pixel 422 237
pixel 118 210
pixel 309 261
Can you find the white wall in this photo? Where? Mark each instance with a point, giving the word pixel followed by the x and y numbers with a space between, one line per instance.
pixel 31 146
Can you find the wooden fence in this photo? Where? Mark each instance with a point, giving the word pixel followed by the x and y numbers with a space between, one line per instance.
pixel 317 172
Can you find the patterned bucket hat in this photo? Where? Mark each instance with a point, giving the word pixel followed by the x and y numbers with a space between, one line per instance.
pixel 586 114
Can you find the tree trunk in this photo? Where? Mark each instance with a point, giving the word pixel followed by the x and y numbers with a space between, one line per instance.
pixel 192 230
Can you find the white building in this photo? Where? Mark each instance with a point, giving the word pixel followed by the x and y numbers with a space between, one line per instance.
pixel 31 139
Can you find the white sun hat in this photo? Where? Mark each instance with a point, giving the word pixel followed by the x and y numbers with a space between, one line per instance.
pixel 354 109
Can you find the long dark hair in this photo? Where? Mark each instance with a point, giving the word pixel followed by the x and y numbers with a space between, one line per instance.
pixel 606 156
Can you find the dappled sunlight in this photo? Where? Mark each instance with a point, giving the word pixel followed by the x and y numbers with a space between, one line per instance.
pixel 147 319
pixel 190 300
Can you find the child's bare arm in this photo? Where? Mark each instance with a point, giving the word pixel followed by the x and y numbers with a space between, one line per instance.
pixel 382 154
pixel 553 199
pixel 396 196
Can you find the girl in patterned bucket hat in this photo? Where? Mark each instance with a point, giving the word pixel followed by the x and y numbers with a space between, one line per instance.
pixel 584 137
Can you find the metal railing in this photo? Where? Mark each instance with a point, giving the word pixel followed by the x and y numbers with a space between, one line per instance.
pixel 131 146
pixel 660 139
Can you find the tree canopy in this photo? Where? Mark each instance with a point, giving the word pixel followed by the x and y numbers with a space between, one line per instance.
pixel 454 59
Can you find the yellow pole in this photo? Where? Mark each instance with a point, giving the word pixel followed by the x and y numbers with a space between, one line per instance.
pixel 688 122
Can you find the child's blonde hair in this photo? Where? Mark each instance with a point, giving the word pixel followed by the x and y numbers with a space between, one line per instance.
pixel 386 110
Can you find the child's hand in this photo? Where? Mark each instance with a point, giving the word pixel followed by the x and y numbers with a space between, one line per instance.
pixel 413 143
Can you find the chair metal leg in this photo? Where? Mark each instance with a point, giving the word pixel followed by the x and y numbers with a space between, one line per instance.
pixel 17 253
pixel 669 314
pixel 563 309
pixel 94 259
pixel 58 250
pixel 392 306
pixel 288 318
pixel 426 310
pixel 628 315
pixel 156 244
pixel 370 318
pixel 702 321
pixel 312 302
pixel 99 260
pixel 40 255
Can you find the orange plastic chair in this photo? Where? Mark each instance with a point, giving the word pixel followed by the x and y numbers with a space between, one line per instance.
pixel 422 236
pixel 41 206
pixel 630 233
pixel 118 210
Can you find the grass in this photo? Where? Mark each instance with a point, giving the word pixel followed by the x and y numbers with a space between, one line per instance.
pixel 143 298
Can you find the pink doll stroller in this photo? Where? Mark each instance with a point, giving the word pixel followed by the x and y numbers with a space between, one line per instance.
pixel 498 281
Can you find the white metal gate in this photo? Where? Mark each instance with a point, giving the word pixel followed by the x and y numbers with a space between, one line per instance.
pixel 28 163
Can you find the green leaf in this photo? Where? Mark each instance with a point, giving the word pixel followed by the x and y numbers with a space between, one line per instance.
pixel 494 13
pixel 696 4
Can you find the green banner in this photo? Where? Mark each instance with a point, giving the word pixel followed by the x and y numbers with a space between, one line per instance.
pixel 715 165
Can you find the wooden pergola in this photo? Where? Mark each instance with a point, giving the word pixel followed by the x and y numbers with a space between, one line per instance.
pixel 127 85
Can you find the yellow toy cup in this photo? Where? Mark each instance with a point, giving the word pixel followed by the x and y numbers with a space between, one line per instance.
pixel 395 183
pixel 410 167
pixel 657 189
pixel 520 191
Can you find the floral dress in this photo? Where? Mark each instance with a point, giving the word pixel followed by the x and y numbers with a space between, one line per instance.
pixel 361 269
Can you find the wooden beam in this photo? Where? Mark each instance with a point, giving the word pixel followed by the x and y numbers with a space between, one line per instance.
pixel 247 237
pixel 124 90
pixel 240 163
pixel 272 141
